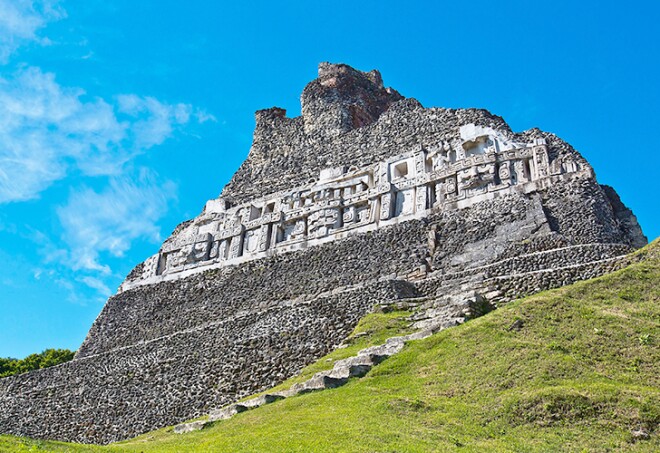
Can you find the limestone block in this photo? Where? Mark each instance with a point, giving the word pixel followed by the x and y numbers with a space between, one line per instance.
pixel 320 381
pixel 190 427
pixel 356 366
pixel 331 173
pixel 261 400
pixel 227 412
pixel 382 352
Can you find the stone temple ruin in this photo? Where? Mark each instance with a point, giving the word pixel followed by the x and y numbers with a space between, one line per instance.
pixel 366 198
pixel 344 201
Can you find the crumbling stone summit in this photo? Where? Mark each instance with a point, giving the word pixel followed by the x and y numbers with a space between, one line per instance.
pixel 367 198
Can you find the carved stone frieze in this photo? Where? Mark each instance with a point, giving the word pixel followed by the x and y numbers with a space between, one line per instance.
pixel 406 186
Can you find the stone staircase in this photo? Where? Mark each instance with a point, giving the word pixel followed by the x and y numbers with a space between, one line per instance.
pixel 352 367
pixel 451 301
pixel 437 301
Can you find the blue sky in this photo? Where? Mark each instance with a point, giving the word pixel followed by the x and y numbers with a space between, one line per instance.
pixel 118 120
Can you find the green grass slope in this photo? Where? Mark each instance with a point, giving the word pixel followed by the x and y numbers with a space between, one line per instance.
pixel 582 373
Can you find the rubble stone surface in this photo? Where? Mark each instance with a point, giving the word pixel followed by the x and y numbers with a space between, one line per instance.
pixel 366 199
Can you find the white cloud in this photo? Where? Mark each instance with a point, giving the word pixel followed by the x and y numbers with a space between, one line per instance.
pixel 110 220
pixel 47 130
pixel 21 19
pixel 153 120
pixel 203 116
pixel 44 128
pixel 97 284
pixel 50 132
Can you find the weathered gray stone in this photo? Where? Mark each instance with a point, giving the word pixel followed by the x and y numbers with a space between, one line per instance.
pixel 366 198
pixel 419 335
pixel 350 370
pixel 320 381
pixel 227 412
pixel 190 427
pixel 382 352
pixel 261 400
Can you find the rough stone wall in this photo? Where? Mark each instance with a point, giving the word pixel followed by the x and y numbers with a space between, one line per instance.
pixel 126 391
pixel 581 211
pixel 152 311
pixel 163 353
pixel 283 155
pixel 625 218
pixel 519 284
pixel 477 235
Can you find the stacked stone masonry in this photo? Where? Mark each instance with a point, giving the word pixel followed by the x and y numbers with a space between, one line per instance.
pixel 366 198
pixel 128 390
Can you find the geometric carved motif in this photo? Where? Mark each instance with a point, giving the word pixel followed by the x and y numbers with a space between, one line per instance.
pixel 343 201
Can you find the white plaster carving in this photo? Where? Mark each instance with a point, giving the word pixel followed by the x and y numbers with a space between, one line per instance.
pixel 445 176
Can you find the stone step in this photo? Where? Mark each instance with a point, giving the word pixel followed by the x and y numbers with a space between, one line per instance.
pixel 402 304
pixel 493 294
pixel 227 412
pixel 419 335
pixel 382 352
pixel 261 400
pixel 286 393
pixel 443 308
pixel 413 300
pixel 438 324
pixel 190 427
pixel 320 381
pixel 354 360
pixel 353 367
pixel 341 372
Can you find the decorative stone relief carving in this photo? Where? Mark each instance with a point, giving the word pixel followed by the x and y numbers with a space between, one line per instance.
pixel 451 187
pixel 236 246
pixel 420 163
pixel 364 213
pixel 476 179
pixel 151 265
pixel 386 206
pixel 521 169
pixel 250 241
pixel 175 260
pixel 348 215
pixel 541 162
pixel 421 201
pixel 264 238
pixel 200 250
pixel 215 249
pixel 341 200
pixel 504 172
pixel 322 222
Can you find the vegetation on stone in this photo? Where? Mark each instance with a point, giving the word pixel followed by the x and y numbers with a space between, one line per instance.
pixel 571 369
pixel 44 359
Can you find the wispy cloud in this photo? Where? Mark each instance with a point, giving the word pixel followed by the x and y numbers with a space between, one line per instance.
pixel 44 128
pixel 97 284
pixel 47 130
pixel 20 20
pixel 153 121
pixel 110 220
pixel 50 132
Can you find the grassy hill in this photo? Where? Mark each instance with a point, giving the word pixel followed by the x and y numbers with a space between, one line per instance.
pixel 573 369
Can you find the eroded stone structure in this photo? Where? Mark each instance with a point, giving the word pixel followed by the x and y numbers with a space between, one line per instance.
pixel 366 198
pixel 483 165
